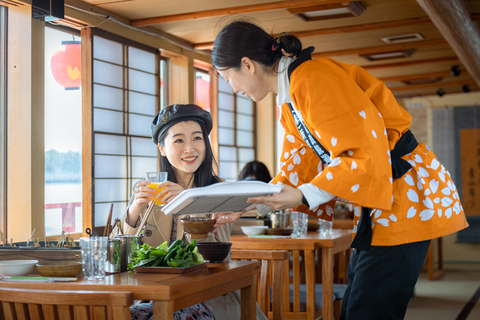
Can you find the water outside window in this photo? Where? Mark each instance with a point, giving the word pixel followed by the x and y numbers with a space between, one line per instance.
pixel 63 133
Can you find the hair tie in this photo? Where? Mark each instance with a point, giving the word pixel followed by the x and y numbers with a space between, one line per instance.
pixel 277 44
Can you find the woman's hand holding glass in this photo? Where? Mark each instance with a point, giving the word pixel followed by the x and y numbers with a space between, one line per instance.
pixel 143 193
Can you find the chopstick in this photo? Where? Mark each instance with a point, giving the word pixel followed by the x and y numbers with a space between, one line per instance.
pixel 145 217
pixel 106 231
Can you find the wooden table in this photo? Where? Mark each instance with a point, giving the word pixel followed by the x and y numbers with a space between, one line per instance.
pixel 171 292
pixel 338 241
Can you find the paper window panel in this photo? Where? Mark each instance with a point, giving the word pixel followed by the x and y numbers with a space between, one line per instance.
pixel 141 81
pixel 226 119
pixel 141 103
pixel 141 59
pixel 110 144
pixel 107 121
pixel 227 153
pixel 110 166
pixel 246 155
pixel 244 122
pixel 244 105
pixel 107 50
pixel 110 190
pixel 226 136
pixel 107 73
pixel 140 165
pixel 107 97
pixel 102 211
pixel 224 86
pixel 143 147
pixel 244 139
pixel 139 125
pixel 228 170
pixel 225 101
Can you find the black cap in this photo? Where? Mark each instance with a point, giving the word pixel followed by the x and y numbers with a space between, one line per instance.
pixel 177 113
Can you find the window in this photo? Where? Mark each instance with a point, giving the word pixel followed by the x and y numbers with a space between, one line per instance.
pixel 129 82
pixel 236 134
pixel 202 89
pixel 3 115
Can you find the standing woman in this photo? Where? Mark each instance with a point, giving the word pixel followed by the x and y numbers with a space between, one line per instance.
pixel 181 134
pixel 347 139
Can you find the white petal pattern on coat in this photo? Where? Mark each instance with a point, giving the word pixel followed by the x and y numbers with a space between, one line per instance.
pixel 334 141
pixel 293 178
pixel 290 167
pixel 446 191
pixel 428 203
pixel 329 176
pixel 446 202
pixel 335 162
pixel 439 212
pixel 355 188
pixel 329 210
pixel 286 155
pixel 393 218
pixel 448 212
pixel 291 138
pixel 354 165
pixel 434 165
pixel 412 195
pixel 426 214
pixel 297 159
pixel 409 180
pixel 350 152
pixel 383 222
pixel 411 212
pixel 356 211
pixel 418 158
pixel 374 134
pixel 377 213
pixel 363 115
pixel 423 172
pixel 318 135
pixel 434 185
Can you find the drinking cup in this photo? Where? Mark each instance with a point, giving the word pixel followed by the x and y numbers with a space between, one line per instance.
pixel 325 228
pixel 114 256
pixel 94 255
pixel 300 224
pixel 155 179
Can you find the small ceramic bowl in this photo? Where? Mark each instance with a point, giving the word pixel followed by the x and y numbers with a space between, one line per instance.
pixel 214 251
pixel 198 227
pixel 254 230
pixel 59 269
pixel 17 267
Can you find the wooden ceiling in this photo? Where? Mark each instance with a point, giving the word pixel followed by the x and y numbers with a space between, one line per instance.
pixel 449 32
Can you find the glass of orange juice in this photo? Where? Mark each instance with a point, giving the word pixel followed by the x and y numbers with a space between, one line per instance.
pixel 155 179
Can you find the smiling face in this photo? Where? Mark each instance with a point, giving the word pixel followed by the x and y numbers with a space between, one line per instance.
pixel 184 147
pixel 251 80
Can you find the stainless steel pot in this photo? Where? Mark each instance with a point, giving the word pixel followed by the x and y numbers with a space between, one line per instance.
pixel 281 219
pixel 129 244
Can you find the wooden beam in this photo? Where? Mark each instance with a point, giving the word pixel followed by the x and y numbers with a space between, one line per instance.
pixel 430 92
pixel 410 63
pixel 231 10
pixel 452 19
pixel 434 85
pixel 429 75
pixel 380 49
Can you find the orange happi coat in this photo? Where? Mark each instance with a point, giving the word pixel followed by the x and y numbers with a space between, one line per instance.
pixel 357 119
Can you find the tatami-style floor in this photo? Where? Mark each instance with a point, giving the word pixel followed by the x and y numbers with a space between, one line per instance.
pixel 447 297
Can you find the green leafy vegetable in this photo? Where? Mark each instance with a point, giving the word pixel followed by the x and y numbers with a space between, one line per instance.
pixel 178 254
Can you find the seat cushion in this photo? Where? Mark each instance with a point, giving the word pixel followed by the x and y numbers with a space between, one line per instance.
pixel 338 292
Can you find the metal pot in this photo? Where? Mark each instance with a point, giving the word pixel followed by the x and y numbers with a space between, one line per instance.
pixel 129 244
pixel 281 219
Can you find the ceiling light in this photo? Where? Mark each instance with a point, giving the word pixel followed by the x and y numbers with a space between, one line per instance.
pixel 403 38
pixel 455 71
pixel 388 55
pixel 329 11
pixel 440 92
pixel 466 88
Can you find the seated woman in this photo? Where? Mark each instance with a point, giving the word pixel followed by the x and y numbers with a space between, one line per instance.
pixel 255 170
pixel 181 133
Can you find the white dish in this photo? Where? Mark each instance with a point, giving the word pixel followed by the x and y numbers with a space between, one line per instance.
pixel 254 230
pixel 17 267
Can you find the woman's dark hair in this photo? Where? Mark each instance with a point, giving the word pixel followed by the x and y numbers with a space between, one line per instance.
pixel 257 170
pixel 204 175
pixel 244 39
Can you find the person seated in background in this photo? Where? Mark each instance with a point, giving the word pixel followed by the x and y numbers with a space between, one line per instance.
pixel 255 170
pixel 181 134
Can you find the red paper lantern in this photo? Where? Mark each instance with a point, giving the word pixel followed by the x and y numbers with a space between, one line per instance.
pixel 66 64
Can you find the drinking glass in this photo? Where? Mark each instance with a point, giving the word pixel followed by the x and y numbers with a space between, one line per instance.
pixel 300 225
pixel 94 255
pixel 155 179
pixel 325 228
